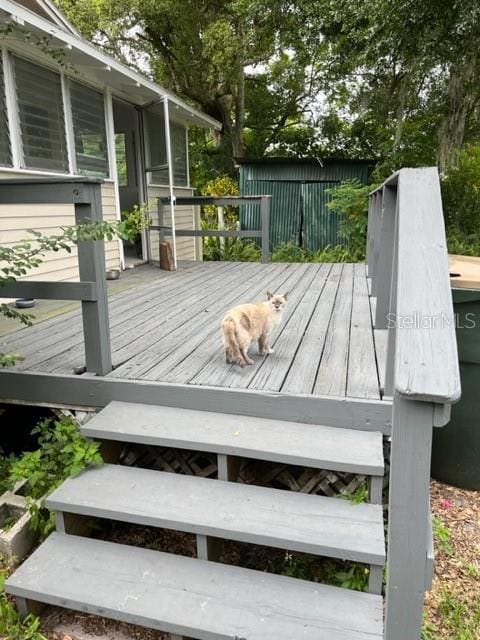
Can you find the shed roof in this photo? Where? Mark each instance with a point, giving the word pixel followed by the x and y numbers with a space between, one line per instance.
pixel 299 161
pixel 100 67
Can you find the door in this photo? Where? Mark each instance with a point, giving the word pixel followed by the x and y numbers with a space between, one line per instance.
pixel 129 163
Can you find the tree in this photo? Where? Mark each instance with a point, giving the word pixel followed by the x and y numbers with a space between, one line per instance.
pixel 248 63
pixel 405 74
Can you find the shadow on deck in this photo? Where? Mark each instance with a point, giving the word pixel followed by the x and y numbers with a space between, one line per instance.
pixel 165 328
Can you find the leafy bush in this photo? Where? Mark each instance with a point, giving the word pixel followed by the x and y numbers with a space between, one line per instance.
pixel 221 186
pixel 351 200
pixel 63 452
pixel 291 252
pixel 12 627
pixel 228 249
pixel 461 196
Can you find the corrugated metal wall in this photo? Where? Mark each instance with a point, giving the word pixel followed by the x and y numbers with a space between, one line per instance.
pixel 299 193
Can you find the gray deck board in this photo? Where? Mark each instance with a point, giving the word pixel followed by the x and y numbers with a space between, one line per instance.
pixel 332 372
pixel 215 372
pixel 184 361
pixel 303 371
pixel 259 515
pixel 205 307
pixel 148 326
pixel 273 370
pixel 272 440
pixel 362 378
pixel 67 350
pixel 206 600
pixel 167 330
pixel 212 367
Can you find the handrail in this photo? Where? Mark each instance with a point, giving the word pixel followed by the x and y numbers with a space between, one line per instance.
pixel 263 233
pixel 408 263
pixel 85 195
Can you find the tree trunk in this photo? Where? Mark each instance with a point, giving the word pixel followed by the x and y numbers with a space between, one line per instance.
pixel 460 101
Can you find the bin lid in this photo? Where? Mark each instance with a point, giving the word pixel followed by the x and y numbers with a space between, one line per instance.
pixel 464 272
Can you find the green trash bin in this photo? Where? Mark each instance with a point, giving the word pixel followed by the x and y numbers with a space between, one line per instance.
pixel 456 447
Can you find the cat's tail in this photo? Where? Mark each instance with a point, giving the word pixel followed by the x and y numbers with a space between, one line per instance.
pixel 233 352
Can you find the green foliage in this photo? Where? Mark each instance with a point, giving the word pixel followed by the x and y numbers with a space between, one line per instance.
pixel 460 618
pixel 221 186
pixel 291 252
pixel 12 627
pixel 62 453
pixel 442 535
pixel 5 466
pixel 353 577
pixel 359 496
pixel 133 222
pixel 228 249
pixel 350 200
pixel 296 566
pixel 461 203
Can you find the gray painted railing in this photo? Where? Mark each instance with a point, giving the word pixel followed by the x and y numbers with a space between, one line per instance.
pixel 86 197
pixel 408 265
pixel 263 233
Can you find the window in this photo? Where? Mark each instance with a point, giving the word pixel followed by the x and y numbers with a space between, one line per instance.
pixel 178 135
pixel 155 130
pixel 5 153
pixel 121 154
pixel 40 110
pixel 88 117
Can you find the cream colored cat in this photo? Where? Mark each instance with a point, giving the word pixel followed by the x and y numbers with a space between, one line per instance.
pixel 248 322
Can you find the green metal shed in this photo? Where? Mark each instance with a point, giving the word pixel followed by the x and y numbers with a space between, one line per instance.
pixel 299 190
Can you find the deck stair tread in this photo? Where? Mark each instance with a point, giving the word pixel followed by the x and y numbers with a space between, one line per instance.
pixel 190 597
pixel 322 447
pixel 260 515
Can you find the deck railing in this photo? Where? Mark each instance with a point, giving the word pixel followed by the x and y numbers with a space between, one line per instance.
pixel 407 263
pixel 86 197
pixel 263 233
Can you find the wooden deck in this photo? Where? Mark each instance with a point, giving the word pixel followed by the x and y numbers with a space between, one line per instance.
pixel 166 329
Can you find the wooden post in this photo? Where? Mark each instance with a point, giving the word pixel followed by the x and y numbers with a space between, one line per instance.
pixel 221 224
pixel 91 264
pixel 408 524
pixel 382 284
pixel 265 207
pixel 392 319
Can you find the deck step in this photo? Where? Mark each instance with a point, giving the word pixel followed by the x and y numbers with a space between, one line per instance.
pixel 259 515
pixel 191 597
pixel 316 446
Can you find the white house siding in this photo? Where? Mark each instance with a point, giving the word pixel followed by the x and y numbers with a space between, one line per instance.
pixel 186 217
pixel 57 266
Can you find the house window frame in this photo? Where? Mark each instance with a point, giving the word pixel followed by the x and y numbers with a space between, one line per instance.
pixel 14 128
pixel 149 174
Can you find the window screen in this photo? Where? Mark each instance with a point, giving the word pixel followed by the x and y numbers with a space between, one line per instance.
pixel 155 129
pixel 155 126
pixel 179 154
pixel 88 116
pixel 40 110
pixel 5 153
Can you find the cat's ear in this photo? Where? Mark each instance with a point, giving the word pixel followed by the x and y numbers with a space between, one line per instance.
pixel 269 295
pixel 285 295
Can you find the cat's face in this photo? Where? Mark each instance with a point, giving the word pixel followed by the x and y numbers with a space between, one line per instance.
pixel 277 301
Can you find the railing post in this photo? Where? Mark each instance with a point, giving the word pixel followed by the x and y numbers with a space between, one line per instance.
pixel 374 209
pixel 265 206
pixel 381 286
pixel 412 428
pixel 91 264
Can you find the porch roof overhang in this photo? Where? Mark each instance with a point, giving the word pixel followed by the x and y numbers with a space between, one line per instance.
pixel 102 68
